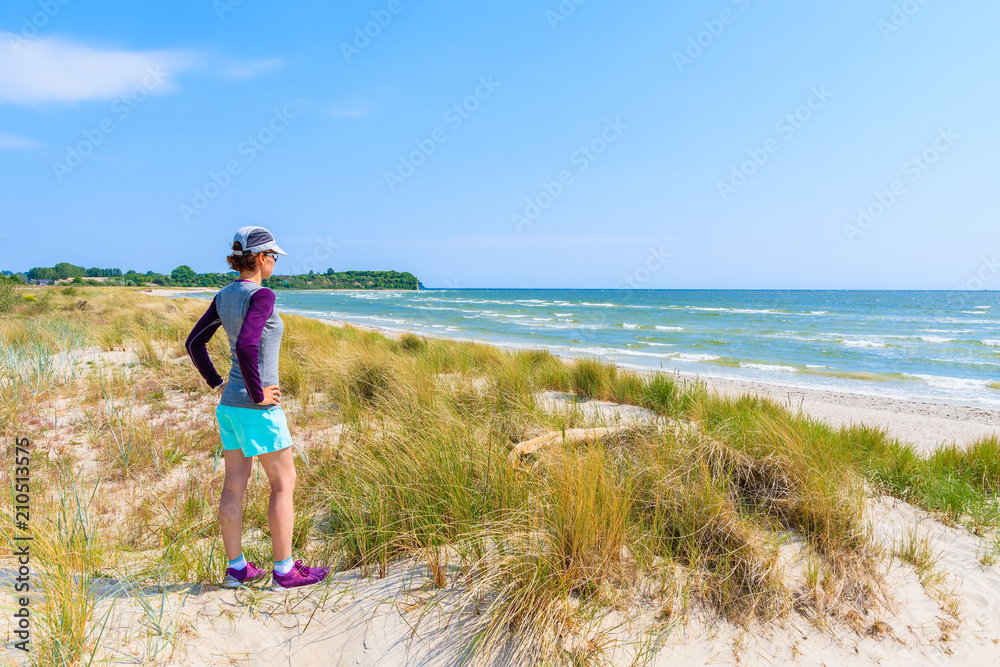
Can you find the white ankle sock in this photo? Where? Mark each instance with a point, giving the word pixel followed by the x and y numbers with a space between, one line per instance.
pixel 284 567
pixel 239 563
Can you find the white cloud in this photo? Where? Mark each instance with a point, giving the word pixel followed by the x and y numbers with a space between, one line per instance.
pixel 49 69
pixel 52 69
pixel 11 142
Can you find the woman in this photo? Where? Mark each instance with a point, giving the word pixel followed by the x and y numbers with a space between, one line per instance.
pixel 251 421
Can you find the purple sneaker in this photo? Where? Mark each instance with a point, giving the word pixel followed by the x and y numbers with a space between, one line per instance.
pixel 299 575
pixel 236 578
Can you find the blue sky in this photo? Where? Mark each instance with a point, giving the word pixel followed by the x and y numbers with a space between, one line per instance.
pixel 724 144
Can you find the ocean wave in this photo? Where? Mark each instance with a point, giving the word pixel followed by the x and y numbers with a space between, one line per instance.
pixel 769 367
pixel 992 342
pixel 609 305
pixel 741 311
pixel 503 303
pixel 863 343
pixel 936 339
pixel 637 353
pixel 696 357
pixel 564 314
pixel 662 328
pixel 944 382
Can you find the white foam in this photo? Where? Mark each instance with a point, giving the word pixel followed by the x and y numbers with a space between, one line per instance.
pixel 769 367
pixel 936 339
pixel 949 382
pixel 669 328
pixel 863 343
pixel 697 357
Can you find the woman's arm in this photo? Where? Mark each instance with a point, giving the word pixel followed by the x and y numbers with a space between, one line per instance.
pixel 248 341
pixel 196 344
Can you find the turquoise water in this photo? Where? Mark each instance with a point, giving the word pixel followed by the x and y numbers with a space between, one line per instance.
pixel 931 346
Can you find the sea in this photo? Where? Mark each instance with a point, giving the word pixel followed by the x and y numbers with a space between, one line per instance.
pixel 934 346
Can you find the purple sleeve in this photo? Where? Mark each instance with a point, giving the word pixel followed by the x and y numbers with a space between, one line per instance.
pixel 248 342
pixel 198 339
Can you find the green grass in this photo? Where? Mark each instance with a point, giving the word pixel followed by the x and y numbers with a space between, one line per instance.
pixel 700 501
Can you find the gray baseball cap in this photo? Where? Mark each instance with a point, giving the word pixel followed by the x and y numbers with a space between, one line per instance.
pixel 256 239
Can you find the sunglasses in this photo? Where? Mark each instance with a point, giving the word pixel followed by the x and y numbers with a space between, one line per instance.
pixel 271 255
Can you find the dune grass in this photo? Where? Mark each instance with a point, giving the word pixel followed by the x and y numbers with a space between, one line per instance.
pixel 695 505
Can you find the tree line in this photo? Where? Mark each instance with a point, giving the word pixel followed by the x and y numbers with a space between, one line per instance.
pixel 185 276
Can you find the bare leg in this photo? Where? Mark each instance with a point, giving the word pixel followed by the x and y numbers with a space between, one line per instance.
pixel 234 489
pixel 280 469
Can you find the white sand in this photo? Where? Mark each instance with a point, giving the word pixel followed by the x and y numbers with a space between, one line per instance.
pixel 175 291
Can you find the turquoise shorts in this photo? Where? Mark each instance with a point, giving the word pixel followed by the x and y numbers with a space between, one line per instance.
pixel 253 431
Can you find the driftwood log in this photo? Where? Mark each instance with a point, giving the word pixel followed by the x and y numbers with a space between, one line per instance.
pixel 568 436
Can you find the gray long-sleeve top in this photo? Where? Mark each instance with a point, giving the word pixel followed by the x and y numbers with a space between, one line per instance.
pixel 246 312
